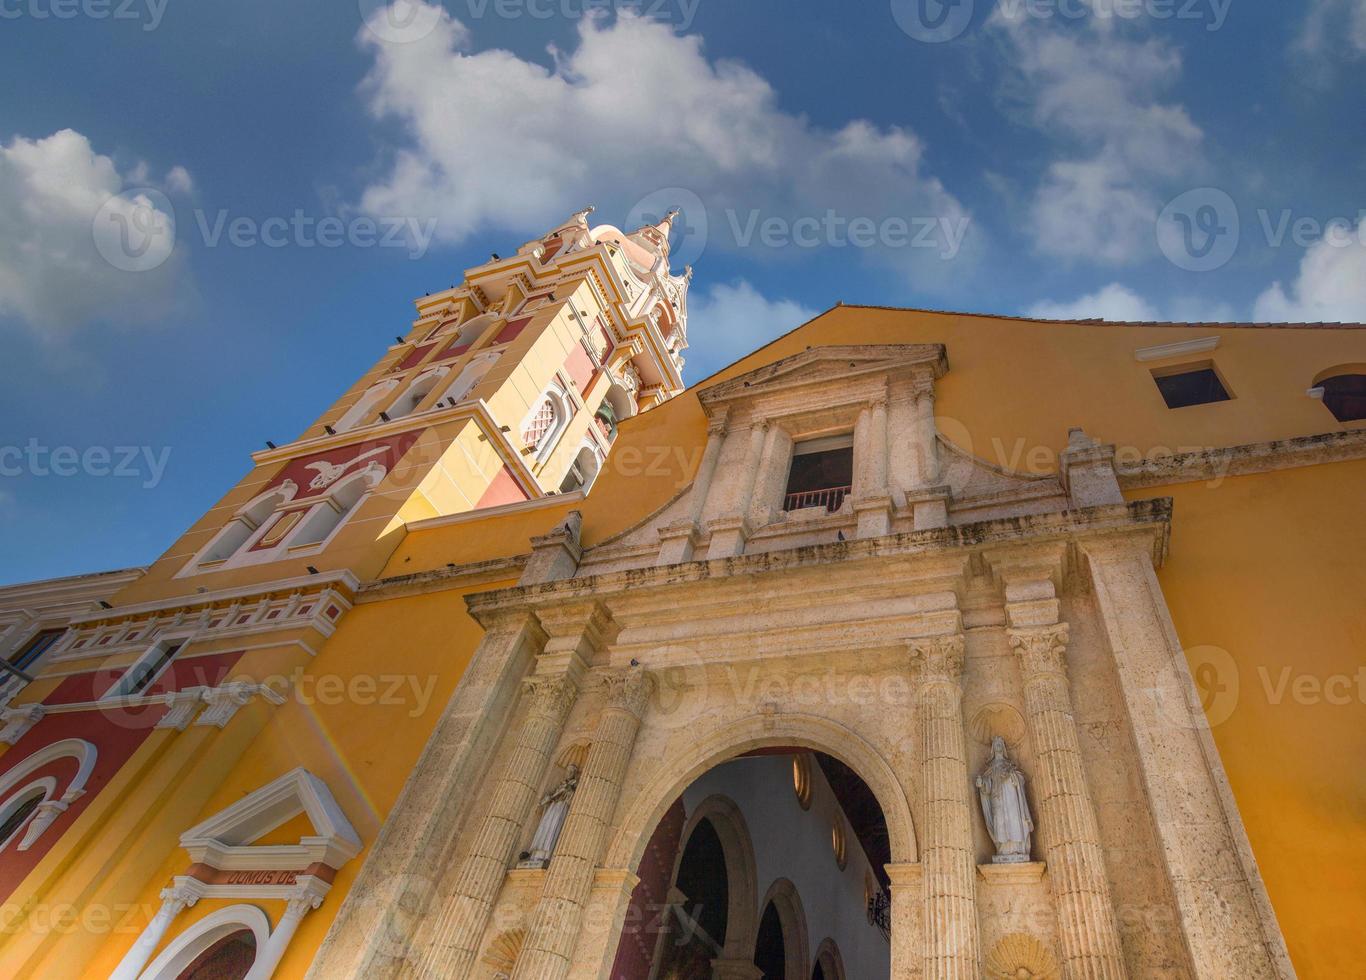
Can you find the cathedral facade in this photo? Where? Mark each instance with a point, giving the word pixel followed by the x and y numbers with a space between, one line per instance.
pixel 912 644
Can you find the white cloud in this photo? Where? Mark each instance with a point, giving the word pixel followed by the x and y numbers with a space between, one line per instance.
pixel 1331 285
pixel 1113 302
pixel 731 320
pixel 1096 90
pixel 1119 303
pixel 52 276
pixel 1330 22
pixel 496 141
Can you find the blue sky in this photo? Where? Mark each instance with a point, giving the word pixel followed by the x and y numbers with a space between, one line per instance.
pixel 1131 159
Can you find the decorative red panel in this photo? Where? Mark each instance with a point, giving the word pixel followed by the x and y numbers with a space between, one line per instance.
pixel 579 367
pixel 510 332
pixel 414 357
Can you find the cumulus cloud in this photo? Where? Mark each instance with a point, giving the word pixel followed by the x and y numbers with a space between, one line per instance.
pixel 733 319
pixel 496 141
pixel 54 274
pixel 1331 285
pixel 1097 90
pixel 1333 22
pixel 1119 303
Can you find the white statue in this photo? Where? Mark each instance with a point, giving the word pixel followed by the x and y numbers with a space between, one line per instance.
pixel 1002 789
pixel 555 807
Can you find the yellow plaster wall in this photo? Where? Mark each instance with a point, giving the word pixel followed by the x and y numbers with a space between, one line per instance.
pixel 1267 585
pixel 339 726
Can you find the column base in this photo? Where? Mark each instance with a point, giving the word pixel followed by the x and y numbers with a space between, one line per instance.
pixel 677 542
pixel 728 537
pixel 735 970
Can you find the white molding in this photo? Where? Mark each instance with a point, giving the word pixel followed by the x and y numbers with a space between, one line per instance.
pixel 224 840
pixel 1179 349
pixel 79 749
pixel 193 941
pixel 427 523
pixel 296 583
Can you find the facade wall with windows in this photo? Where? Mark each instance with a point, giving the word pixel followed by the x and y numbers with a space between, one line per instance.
pixel 1263 575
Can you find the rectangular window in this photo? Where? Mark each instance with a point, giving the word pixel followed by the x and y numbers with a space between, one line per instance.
pixel 35 648
pixel 140 676
pixel 1190 385
pixel 822 474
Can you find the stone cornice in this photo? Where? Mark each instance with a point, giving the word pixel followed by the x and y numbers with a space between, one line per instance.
pixel 1150 518
pixel 440 579
pixel 1258 457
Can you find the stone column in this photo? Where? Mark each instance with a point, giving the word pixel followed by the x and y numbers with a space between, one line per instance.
pixel 1223 909
pixel 556 921
pixel 678 539
pixel 1076 864
pixel 926 436
pixel 952 945
pixel 701 485
pixel 174 900
pixel 375 925
pixel 730 532
pixel 451 945
pixel 873 502
pixel 310 896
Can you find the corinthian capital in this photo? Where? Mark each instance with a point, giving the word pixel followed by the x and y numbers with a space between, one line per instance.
pixel 551 696
pixel 1042 649
pixel 629 690
pixel 938 658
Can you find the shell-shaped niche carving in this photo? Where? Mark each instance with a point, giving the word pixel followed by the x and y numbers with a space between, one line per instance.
pixel 502 954
pixel 998 718
pixel 1021 957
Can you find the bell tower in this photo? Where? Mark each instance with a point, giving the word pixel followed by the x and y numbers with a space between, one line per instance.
pixel 506 388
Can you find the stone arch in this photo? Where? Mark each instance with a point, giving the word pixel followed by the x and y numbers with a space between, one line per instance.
pixel 831 963
pixel 704 750
pixel 783 896
pixel 742 877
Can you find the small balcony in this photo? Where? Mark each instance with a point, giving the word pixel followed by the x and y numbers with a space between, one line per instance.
pixel 831 498
pixel 822 475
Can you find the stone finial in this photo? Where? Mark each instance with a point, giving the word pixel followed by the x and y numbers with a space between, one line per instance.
pixel 555 555
pixel 1088 471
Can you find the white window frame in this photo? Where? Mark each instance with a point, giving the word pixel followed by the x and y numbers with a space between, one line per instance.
pixel 46 787
pixel 118 691
pixel 185 948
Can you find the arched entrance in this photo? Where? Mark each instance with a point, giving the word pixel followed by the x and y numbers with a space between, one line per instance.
pixel 768 849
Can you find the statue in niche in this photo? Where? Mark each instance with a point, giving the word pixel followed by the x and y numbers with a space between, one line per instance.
pixel 554 809
pixel 1001 787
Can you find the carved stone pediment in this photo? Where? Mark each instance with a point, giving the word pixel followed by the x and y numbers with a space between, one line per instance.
pixel 821 365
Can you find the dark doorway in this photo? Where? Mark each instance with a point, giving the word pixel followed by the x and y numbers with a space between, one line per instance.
pixel 770 954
